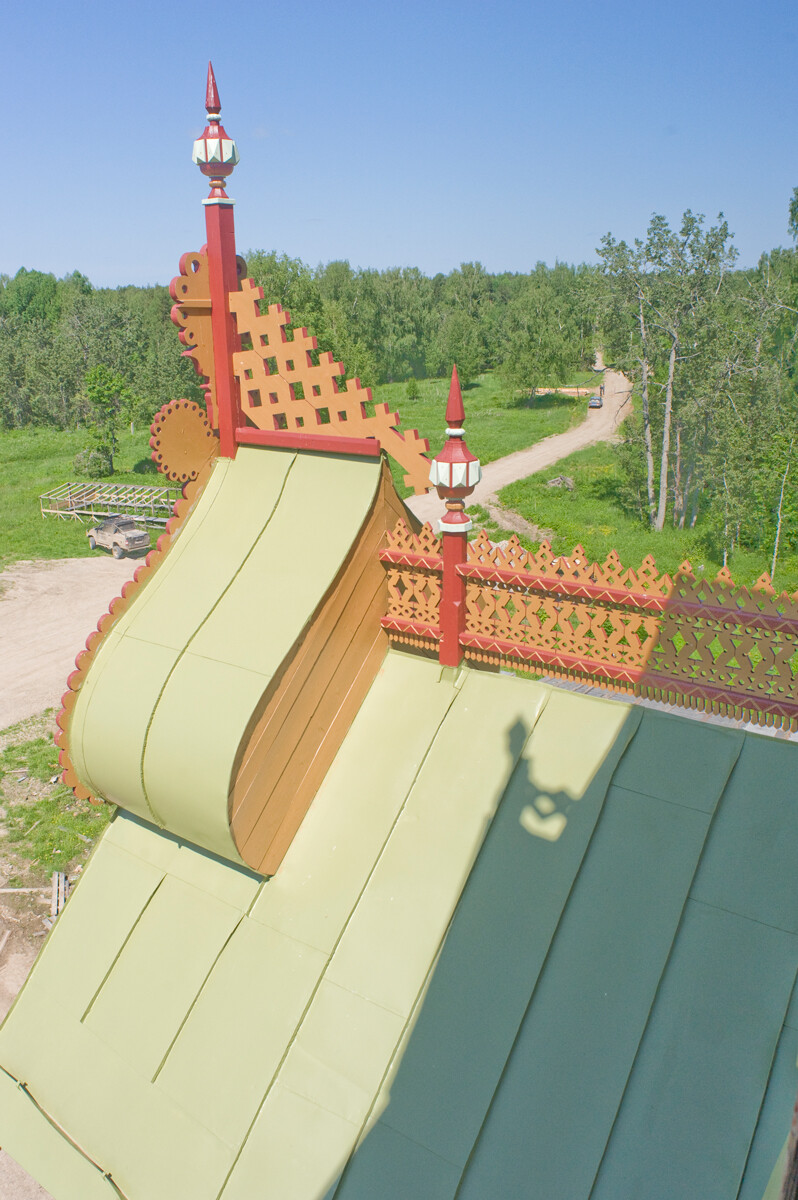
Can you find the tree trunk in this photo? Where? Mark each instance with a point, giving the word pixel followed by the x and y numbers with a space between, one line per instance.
pixel 778 522
pixel 688 483
pixel 659 524
pixel 678 498
pixel 646 414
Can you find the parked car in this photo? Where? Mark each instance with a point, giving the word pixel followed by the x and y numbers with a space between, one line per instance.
pixel 595 402
pixel 119 534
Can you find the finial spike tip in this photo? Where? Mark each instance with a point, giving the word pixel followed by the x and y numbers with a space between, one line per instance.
pixel 455 413
pixel 212 103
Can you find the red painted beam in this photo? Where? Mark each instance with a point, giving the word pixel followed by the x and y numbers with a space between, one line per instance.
pixel 567 587
pixel 407 558
pixel 402 625
pixel 296 440
pixel 556 658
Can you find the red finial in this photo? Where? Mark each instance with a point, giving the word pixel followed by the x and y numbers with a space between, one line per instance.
pixel 215 153
pixel 455 471
pixel 212 102
pixel 455 413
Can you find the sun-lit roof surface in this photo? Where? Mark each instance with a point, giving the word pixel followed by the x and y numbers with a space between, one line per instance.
pixel 525 944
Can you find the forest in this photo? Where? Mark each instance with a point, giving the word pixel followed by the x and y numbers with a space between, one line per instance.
pixel 710 349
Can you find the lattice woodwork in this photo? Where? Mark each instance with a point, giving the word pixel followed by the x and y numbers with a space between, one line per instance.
pixel 728 645
pixel 691 642
pixel 413 566
pixel 286 385
pixel 290 385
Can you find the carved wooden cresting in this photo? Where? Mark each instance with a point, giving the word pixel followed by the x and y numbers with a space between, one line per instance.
pixel 287 385
pixel 685 640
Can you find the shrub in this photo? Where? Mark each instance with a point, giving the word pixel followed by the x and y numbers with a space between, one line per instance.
pixel 93 464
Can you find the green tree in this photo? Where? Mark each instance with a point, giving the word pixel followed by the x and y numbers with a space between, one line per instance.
pixel 662 312
pixel 110 402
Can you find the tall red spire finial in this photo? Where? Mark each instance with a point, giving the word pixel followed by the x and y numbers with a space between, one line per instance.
pixel 215 153
pixel 455 472
pixel 212 102
pixel 455 413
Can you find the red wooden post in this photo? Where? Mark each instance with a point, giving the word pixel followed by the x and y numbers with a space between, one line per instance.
pixel 216 155
pixel 455 472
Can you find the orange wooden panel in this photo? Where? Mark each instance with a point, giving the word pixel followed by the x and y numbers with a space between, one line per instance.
pixel 309 707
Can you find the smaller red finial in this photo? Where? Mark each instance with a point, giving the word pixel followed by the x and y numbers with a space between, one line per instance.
pixel 455 413
pixel 212 102
pixel 455 471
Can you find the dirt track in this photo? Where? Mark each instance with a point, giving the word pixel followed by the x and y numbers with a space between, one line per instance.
pixel 47 610
pixel 599 425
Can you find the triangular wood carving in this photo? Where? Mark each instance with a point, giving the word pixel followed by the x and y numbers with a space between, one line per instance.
pixel 287 385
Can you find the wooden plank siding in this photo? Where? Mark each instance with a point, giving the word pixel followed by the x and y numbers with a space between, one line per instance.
pixel 305 715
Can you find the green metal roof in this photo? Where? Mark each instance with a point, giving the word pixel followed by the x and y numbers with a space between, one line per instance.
pixel 526 943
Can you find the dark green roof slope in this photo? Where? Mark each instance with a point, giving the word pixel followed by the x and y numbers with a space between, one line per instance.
pixel 527 945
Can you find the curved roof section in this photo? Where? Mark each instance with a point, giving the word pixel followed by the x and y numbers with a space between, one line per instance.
pixel 159 722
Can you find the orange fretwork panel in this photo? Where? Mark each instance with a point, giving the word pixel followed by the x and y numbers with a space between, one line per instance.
pixel 292 386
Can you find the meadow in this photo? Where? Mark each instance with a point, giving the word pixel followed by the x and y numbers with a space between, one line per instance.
pixel 34 460
pixel 592 516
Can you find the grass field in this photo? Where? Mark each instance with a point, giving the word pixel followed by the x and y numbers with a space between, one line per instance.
pixel 45 828
pixel 495 426
pixel 590 515
pixel 33 461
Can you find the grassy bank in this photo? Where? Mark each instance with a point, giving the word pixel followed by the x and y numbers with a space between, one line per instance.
pixel 591 516
pixel 495 426
pixel 44 828
pixel 33 461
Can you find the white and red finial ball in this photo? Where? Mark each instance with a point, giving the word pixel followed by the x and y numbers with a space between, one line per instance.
pixel 215 153
pixel 455 471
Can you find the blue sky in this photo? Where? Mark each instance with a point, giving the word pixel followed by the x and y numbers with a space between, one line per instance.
pixel 421 134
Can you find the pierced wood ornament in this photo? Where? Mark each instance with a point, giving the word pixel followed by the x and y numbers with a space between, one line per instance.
pixel 191 313
pixel 287 384
pixel 182 440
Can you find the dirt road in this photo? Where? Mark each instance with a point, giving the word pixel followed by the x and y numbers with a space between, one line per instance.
pixel 599 425
pixel 47 610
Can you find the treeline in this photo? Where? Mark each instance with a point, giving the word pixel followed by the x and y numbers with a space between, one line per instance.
pixel 711 350
pixel 384 326
pixel 397 324
pixel 55 332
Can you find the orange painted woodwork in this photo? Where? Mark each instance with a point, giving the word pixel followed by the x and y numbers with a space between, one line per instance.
pixel 306 713
pixel 286 386
pixel 691 642
pixel 182 440
pixel 290 385
pixel 191 313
